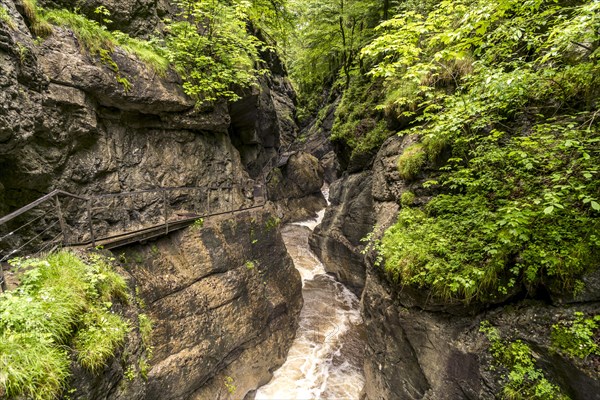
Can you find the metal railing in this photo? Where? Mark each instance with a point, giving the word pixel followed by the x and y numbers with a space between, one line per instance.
pixel 62 219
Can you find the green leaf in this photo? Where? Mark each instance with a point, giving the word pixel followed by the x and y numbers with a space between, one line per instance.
pixel 595 205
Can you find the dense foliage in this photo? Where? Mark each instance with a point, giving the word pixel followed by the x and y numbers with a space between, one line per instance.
pixel 62 307
pixel 503 95
pixel 211 48
pixel 325 45
pixel 576 338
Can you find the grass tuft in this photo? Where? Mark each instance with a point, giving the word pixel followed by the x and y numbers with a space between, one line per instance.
pixel 37 21
pixel 31 365
pixel 6 18
pixel 102 334
pixel 40 320
pixel 411 161
pixel 98 40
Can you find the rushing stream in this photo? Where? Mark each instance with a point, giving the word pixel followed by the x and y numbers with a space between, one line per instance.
pixel 325 360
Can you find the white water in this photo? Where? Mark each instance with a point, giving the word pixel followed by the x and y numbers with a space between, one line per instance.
pixel 325 360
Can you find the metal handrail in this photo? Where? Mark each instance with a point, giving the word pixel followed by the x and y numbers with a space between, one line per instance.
pixel 36 203
pixel 88 209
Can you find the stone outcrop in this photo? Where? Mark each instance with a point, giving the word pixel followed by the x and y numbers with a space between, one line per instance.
pixel 349 218
pixel 314 139
pixel 413 353
pixel 263 122
pixel 224 300
pixel 295 187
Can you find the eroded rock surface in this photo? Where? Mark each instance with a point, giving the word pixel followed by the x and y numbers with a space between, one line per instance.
pixel 224 300
pixel 349 218
pixel 295 187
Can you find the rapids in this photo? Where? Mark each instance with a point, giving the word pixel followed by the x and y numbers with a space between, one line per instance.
pixel 325 360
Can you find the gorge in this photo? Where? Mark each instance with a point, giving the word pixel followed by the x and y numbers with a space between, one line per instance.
pixel 453 252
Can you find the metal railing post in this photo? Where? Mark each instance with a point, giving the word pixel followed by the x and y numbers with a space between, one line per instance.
pixel 91 225
pixel 165 211
pixel 208 192
pixel 61 220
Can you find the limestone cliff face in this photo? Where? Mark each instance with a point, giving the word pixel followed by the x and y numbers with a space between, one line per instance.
pixel 65 122
pixel 224 300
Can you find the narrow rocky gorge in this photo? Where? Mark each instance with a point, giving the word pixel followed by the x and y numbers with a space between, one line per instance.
pixel 254 304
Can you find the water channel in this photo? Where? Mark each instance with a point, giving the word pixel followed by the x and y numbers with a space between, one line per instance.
pixel 325 360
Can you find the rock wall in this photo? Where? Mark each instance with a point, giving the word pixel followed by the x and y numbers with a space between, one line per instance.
pixel 66 122
pixel 295 187
pixel 224 300
pixel 417 348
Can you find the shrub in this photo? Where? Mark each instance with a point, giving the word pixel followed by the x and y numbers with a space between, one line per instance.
pixel 576 337
pixel 522 380
pixel 515 118
pixel 40 319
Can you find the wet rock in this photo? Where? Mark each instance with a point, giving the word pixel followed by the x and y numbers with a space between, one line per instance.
pixel 262 122
pixel 416 354
pixel 349 218
pixel 295 187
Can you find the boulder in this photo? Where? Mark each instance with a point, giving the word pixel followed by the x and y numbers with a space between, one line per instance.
pixel 295 187
pixel 349 218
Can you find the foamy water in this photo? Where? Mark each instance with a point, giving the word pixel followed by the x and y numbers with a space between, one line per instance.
pixel 325 360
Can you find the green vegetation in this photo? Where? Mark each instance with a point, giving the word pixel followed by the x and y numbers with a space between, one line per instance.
pixel 145 325
pixel 208 43
pixel 411 161
pixel 6 19
pixel 272 223
pixel 197 224
pixel 325 44
pixel 407 199
pixel 98 40
pixel 210 47
pixel 576 338
pixel 358 123
pixel 37 23
pixel 96 341
pixel 63 302
pixel 502 94
pixel 229 384
pixel 521 380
